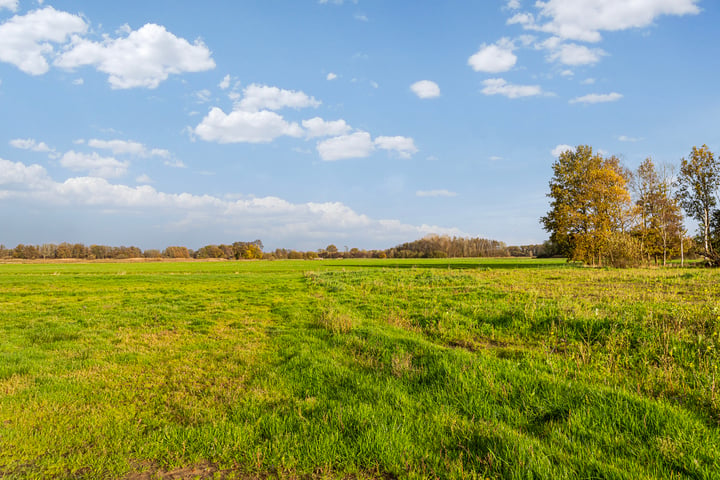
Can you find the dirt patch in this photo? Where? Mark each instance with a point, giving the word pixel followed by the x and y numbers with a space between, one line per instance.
pixel 201 471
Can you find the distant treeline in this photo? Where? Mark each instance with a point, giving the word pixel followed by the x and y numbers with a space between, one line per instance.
pixel 441 246
pixel 431 246
pixel 238 250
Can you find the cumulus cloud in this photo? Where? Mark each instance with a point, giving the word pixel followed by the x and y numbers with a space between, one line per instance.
pixel 11 5
pixel 143 58
pixel 264 97
pixel 583 20
pixel 361 145
pixel 403 146
pixel 494 58
pixel 331 76
pixel 27 41
pixel 17 173
pixel 573 54
pixel 31 144
pixel 597 98
pixel 272 218
pixel 128 147
pixel 425 89
pixel 317 127
pixel 499 86
pixel 559 149
pixel 355 145
pixel 225 82
pixel 94 164
pixel 242 126
pixel 435 193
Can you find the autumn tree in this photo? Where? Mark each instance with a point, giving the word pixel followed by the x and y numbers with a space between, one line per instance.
pixel 176 252
pixel 659 227
pixel 590 206
pixel 697 189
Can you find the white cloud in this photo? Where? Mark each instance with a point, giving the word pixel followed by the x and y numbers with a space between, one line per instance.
pixel 11 5
pixel 495 158
pixel 244 127
pixel 403 146
pixel 499 86
pixel 317 127
pixel 128 147
pixel 271 218
pixel 574 54
pixel 94 164
pixel 31 144
pixel 435 193
pixel 494 58
pixel 425 89
pixel 26 41
pixel 584 19
pixel 527 20
pixel 144 178
pixel 202 96
pixel 160 152
pixel 588 81
pixel 119 147
pixel 225 83
pixel 356 145
pixel 597 98
pixel 78 81
pixel 12 173
pixel 361 17
pixel 625 138
pixel 174 163
pixel 513 4
pixel 559 149
pixel 263 97
pixel 144 58
pixel 331 76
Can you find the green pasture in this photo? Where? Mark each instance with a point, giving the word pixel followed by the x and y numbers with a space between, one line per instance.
pixel 469 368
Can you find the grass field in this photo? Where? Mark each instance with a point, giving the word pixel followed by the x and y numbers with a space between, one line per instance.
pixel 358 369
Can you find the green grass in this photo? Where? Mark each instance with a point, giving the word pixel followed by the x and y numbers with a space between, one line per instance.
pixel 358 368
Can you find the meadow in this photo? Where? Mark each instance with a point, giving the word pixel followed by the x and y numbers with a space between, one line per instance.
pixel 469 368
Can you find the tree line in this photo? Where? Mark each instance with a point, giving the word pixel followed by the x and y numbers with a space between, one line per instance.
pixel 602 213
pixel 430 246
pixel 79 251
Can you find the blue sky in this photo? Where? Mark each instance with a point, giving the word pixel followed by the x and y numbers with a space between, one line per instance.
pixel 363 123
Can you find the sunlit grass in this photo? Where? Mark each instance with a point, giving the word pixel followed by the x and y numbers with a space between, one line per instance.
pixel 442 368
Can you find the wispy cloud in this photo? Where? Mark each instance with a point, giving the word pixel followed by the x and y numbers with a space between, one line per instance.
pixel 597 98
pixel 435 193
